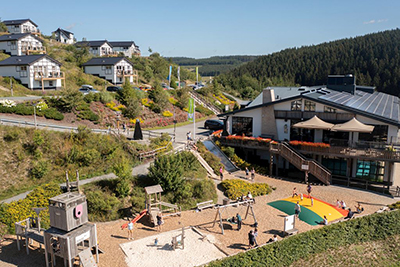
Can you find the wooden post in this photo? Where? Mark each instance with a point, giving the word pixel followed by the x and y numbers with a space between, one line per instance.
pixel 97 244
pixel 271 163
pixel 42 84
pixel 67 182
pixel 220 221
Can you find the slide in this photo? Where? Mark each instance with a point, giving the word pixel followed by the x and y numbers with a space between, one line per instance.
pixel 229 166
pixel 137 218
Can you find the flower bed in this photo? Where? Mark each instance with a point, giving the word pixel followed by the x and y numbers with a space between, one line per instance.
pixel 235 188
pixel 309 145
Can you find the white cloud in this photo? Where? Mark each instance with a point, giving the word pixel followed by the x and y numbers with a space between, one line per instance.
pixel 375 21
pixel 69 27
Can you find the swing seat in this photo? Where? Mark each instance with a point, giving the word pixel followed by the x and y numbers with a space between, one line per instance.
pixel 229 220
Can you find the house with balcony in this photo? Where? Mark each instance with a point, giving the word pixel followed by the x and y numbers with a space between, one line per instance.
pixel 21 26
pixel 312 133
pixel 97 48
pixel 112 69
pixel 33 71
pixel 128 48
pixel 21 44
pixel 64 36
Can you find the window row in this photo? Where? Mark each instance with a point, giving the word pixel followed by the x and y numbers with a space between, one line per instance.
pixel 308 106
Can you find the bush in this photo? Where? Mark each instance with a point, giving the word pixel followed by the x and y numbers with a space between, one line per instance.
pixel 123 188
pixel 204 110
pixel 284 253
pixel 88 115
pixel 236 188
pixel 40 169
pixel 16 211
pixel 394 206
pixel 102 206
pixel 22 109
pixel 52 113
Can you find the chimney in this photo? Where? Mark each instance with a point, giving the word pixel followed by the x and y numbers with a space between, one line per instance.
pixel 268 95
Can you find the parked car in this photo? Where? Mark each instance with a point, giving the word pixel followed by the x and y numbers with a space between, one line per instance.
pixel 113 88
pixel 214 124
pixel 86 89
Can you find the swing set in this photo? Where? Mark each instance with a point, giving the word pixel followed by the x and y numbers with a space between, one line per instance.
pixel 218 216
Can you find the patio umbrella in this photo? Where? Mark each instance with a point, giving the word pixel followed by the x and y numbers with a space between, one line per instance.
pixel 353 125
pixel 314 123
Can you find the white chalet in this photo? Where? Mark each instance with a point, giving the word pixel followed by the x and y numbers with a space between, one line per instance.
pixel 21 26
pixel 64 36
pixel 34 71
pixel 113 69
pixel 129 48
pixel 97 48
pixel 21 44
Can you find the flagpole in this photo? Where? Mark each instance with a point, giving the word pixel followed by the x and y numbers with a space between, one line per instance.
pixel 194 107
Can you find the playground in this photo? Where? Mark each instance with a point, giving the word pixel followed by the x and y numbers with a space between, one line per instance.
pixel 113 239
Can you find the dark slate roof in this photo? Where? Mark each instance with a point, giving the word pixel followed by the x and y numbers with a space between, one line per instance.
pixel 25 60
pixel 122 44
pixel 17 22
pixel 101 61
pixel 13 37
pixel 378 106
pixel 66 33
pixel 93 43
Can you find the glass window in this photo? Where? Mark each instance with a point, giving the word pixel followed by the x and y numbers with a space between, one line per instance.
pixel 309 106
pixel 370 170
pixel 329 109
pixel 336 166
pixel 296 105
pixel 242 125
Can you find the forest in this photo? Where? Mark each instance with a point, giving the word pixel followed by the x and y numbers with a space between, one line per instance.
pixel 374 59
pixel 214 65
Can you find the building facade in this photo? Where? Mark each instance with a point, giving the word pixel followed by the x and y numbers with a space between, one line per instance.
pixel 21 44
pixel 33 71
pixel 368 157
pixel 127 48
pixel 64 36
pixel 97 48
pixel 112 69
pixel 21 26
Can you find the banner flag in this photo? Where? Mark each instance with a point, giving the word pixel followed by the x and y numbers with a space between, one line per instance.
pixel 191 109
pixel 197 74
pixel 169 75
pixel 179 76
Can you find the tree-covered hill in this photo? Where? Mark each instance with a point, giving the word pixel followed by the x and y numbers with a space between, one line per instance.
pixel 214 65
pixel 373 58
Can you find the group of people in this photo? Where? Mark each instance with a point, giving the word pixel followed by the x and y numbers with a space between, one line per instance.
pixel 252 172
pixel 309 190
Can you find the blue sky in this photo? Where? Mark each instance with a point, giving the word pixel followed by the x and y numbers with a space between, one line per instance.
pixel 210 28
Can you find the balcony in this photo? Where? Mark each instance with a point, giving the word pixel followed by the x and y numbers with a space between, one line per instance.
pixel 376 151
pixel 50 75
pixel 128 73
pixel 29 50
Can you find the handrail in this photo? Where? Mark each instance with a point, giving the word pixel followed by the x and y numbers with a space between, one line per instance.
pixel 204 102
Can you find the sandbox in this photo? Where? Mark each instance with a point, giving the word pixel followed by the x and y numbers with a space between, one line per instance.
pixel 197 250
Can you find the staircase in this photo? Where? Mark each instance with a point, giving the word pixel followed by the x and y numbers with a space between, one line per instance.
pixel 302 163
pixel 201 101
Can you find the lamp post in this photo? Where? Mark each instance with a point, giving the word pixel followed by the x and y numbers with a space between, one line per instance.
pixel 34 115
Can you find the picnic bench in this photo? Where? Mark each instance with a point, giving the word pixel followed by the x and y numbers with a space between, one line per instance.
pixel 205 205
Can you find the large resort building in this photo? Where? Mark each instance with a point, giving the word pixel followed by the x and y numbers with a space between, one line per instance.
pixel 346 134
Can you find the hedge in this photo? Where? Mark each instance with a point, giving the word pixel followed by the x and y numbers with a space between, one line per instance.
pixel 283 253
pixel 235 188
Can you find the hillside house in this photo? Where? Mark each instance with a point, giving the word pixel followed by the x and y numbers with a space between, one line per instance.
pixel 113 69
pixel 21 44
pixel 33 71
pixel 349 156
pixel 21 26
pixel 98 48
pixel 64 36
pixel 127 48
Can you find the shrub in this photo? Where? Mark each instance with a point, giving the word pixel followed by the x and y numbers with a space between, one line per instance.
pixel 40 169
pixel 284 253
pixel 22 109
pixel 167 113
pixel 395 206
pixel 204 110
pixel 102 206
pixel 236 188
pixel 52 113
pixel 123 188
pixel 88 115
pixel 12 135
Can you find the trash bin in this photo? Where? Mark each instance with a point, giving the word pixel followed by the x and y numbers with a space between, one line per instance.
pixel 225 201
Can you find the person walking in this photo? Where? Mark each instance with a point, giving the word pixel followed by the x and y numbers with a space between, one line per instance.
pixel 247 172
pixel 251 239
pixel 159 221
pixel 255 236
pixel 130 230
pixel 253 174
pixel 221 173
pixel 309 189
pixel 297 209
pixel 239 221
